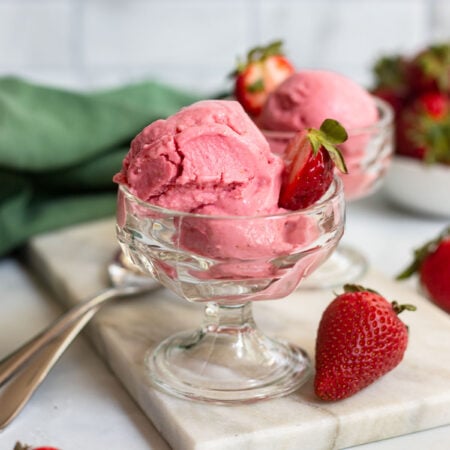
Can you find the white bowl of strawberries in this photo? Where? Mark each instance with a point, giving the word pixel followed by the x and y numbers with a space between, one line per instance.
pixel 418 88
pixel 418 187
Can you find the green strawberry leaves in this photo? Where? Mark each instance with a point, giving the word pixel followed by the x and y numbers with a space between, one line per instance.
pixel 434 64
pixel 257 86
pixel 330 134
pixel 262 52
pixel 397 307
pixel 421 253
pixel 390 72
pixel 258 54
pixel 358 288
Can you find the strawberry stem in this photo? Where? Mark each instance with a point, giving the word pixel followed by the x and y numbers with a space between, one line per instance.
pixel 20 446
pixel 262 52
pixel 358 288
pixel 398 308
pixel 257 54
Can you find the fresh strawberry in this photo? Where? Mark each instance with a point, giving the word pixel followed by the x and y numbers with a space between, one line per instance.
pixel 429 70
pixel 264 69
pixel 423 128
pixel 432 263
pixel 310 158
pixel 360 338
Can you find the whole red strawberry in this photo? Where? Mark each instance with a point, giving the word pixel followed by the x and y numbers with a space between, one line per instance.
pixel 310 158
pixel 360 338
pixel 264 69
pixel 423 128
pixel 432 262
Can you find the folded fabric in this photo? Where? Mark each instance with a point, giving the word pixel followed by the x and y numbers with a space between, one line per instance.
pixel 59 150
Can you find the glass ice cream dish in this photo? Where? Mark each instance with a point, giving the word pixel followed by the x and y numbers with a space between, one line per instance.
pixel 228 262
pixel 367 151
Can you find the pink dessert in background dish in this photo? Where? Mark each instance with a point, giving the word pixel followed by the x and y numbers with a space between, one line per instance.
pixel 308 97
pixel 211 161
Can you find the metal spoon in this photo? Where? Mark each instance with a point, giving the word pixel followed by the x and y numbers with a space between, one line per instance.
pixel 23 371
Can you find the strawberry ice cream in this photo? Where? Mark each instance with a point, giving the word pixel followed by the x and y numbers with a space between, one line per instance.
pixel 198 210
pixel 308 97
pixel 211 161
pixel 208 158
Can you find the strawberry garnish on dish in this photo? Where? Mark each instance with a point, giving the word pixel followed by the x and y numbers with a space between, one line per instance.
pixel 432 263
pixel 360 338
pixel 310 158
pixel 264 69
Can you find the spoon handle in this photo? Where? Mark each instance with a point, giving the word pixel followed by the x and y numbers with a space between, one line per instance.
pixel 11 363
pixel 27 378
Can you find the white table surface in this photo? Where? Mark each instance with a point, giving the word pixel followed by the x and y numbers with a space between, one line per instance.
pixel 81 405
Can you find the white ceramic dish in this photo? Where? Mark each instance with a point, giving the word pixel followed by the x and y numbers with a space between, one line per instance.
pixel 421 188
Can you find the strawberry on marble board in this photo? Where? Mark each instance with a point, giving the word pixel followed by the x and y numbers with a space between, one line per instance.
pixel 432 263
pixel 360 338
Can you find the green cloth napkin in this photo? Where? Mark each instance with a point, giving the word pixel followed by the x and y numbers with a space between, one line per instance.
pixel 60 149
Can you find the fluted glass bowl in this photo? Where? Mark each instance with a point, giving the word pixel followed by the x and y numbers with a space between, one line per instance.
pixel 368 153
pixel 228 262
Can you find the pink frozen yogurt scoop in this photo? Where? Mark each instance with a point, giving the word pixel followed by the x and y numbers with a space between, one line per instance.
pixel 308 97
pixel 208 158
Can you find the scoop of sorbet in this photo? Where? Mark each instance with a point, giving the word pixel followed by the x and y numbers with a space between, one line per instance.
pixel 207 158
pixel 308 97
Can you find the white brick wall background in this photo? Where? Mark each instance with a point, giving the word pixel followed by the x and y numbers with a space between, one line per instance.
pixel 194 43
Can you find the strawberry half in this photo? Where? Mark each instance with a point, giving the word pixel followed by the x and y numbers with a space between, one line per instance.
pixel 360 338
pixel 432 262
pixel 264 69
pixel 310 158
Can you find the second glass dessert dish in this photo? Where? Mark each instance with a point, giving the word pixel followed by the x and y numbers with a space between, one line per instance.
pixel 228 262
pixel 368 152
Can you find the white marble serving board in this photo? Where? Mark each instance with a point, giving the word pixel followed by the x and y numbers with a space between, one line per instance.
pixel 414 396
